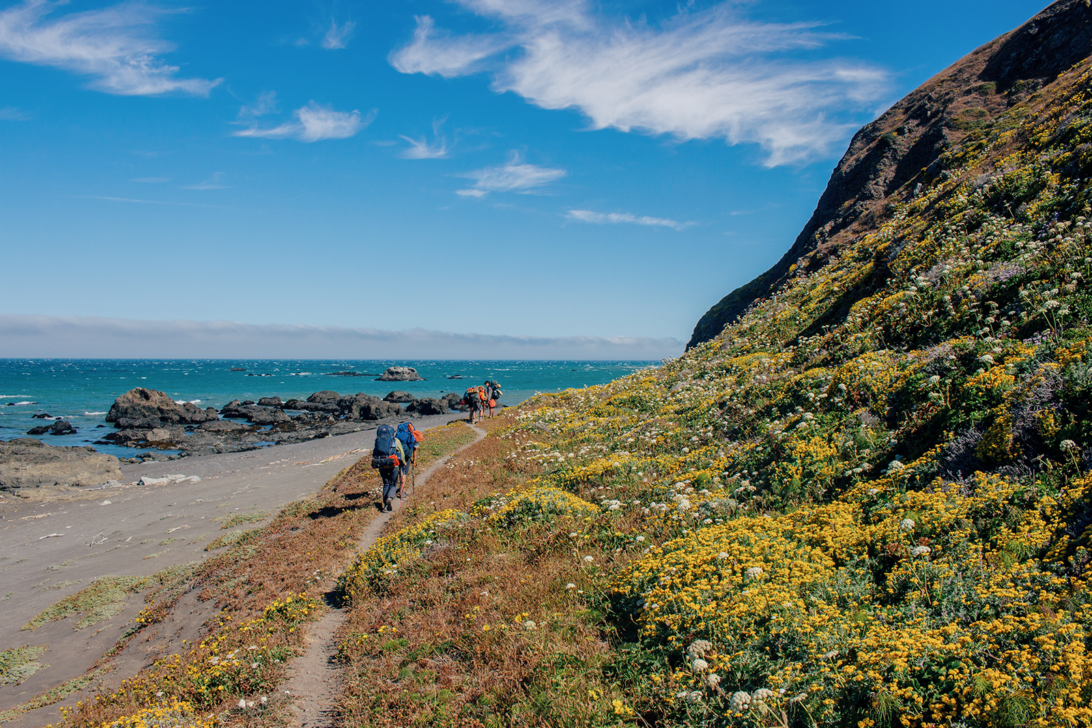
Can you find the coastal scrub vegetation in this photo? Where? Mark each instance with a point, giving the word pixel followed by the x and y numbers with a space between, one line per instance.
pixel 867 503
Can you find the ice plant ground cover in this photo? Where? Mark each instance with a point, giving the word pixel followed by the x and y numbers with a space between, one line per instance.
pixel 867 503
pixel 265 589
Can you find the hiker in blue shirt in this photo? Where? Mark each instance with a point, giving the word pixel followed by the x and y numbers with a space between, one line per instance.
pixel 407 437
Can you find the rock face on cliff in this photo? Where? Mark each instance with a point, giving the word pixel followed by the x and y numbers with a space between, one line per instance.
pixel 30 463
pixel 890 159
pixel 146 408
pixel 400 374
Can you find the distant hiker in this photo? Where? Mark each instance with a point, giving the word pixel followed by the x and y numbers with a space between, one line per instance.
pixel 473 401
pixel 408 437
pixel 387 458
pixel 494 395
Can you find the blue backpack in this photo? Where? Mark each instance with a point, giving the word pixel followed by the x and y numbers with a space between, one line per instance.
pixel 409 442
pixel 385 452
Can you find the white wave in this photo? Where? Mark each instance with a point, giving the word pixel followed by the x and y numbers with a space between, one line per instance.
pixel 19 403
pixel 11 396
pixel 89 414
pixel 187 401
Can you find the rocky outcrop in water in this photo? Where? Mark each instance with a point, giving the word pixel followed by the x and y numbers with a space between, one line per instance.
pixel 140 407
pixel 59 427
pixel 399 397
pixel 27 463
pixel 400 374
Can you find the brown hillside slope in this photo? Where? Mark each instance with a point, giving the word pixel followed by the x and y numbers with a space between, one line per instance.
pixel 888 158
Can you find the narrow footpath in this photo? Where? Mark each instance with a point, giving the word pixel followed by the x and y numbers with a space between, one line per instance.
pixel 314 678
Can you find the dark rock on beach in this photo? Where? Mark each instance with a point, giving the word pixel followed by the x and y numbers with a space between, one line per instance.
pixel 270 402
pixel 427 406
pixel 151 404
pixel 399 397
pixel 42 416
pixel 452 401
pixel 400 374
pixel 379 410
pixel 255 414
pixel 27 463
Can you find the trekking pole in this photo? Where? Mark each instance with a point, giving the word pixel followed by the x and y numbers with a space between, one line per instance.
pixel 413 474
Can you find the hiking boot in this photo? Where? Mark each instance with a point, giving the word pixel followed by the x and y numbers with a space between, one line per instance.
pixel 387 505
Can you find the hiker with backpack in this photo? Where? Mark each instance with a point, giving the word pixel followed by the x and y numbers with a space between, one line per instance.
pixel 408 436
pixel 494 394
pixel 473 401
pixel 388 457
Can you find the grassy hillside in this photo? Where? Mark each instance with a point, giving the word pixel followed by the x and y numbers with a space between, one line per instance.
pixel 866 503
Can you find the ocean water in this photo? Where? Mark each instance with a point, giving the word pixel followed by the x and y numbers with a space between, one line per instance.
pixel 82 390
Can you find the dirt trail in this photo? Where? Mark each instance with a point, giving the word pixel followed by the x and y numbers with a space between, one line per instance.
pixel 314 677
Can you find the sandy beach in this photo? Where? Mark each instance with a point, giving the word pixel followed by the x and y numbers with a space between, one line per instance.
pixel 55 547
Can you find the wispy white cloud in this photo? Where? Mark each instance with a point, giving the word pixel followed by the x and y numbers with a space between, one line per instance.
pixel 624 217
pixel 313 123
pixel 337 36
pixel 151 180
pixel 266 103
pixel 10 113
pixel 516 176
pixel 215 182
pixel 702 74
pixel 422 149
pixel 442 55
pixel 116 46
pixel 77 336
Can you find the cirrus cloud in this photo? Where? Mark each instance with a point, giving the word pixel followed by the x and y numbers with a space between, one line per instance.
pixel 614 218
pixel 515 176
pixel 116 46
pixel 314 122
pixel 701 74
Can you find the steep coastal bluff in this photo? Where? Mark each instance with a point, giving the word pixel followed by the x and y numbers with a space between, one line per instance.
pixel 890 160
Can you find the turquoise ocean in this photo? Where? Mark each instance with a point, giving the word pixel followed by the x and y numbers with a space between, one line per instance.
pixel 82 390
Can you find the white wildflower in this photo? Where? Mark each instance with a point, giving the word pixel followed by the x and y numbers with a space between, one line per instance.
pixel 920 551
pixel 754 572
pixel 762 695
pixel 570 585
pixel 1068 445
pixel 698 648
pixel 712 681
pixel 589 559
pixel 699 665
pixel 907 524
pixel 740 702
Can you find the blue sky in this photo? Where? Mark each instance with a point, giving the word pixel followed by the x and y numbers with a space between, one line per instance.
pixel 497 167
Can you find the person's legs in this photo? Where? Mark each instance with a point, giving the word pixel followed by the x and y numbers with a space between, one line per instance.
pixel 390 487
